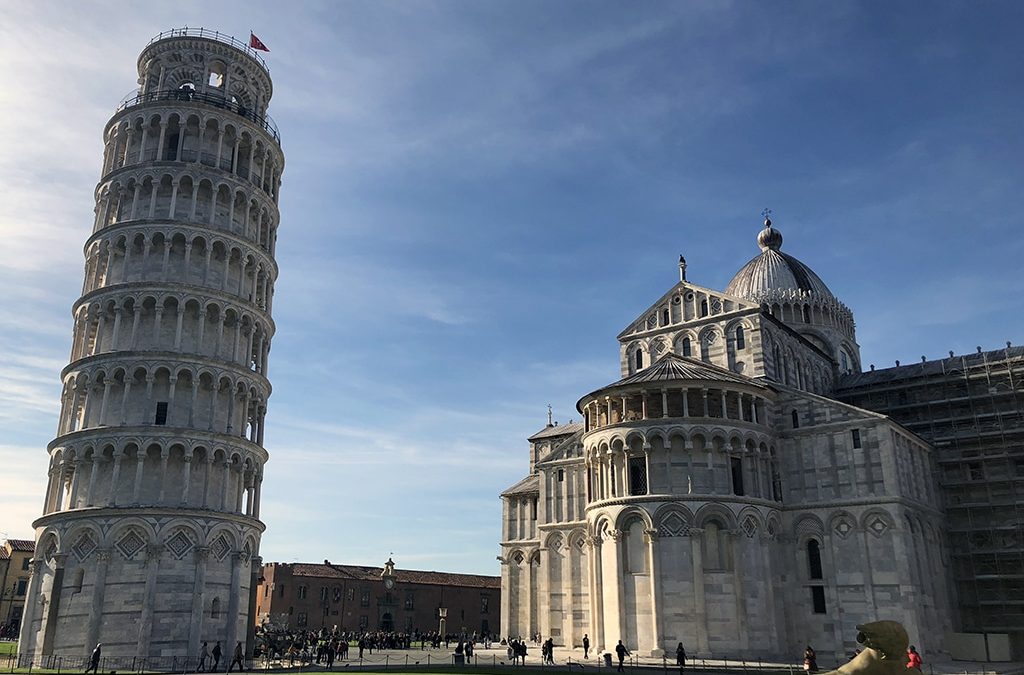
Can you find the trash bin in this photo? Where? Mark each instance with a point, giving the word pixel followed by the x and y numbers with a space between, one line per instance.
pixel 459 659
pixel 607 660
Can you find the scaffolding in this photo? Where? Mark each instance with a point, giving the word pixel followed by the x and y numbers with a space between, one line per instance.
pixel 970 409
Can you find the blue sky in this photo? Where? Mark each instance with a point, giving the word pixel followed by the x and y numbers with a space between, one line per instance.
pixel 480 195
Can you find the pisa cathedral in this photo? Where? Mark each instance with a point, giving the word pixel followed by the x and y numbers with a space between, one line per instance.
pixel 149 538
pixel 721 495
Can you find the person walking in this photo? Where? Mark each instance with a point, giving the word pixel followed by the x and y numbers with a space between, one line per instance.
pixel 586 646
pixel 204 653
pixel 94 660
pixel 237 659
pixel 622 653
pixel 913 658
pixel 216 656
pixel 681 658
pixel 810 660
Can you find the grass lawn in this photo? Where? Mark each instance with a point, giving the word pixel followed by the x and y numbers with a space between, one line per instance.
pixel 8 647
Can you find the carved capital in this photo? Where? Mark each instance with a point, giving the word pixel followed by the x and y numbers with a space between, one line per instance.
pixel 651 535
pixel 103 554
pixel 154 551
pixel 201 553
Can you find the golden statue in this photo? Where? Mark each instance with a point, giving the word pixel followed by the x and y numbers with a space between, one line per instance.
pixel 885 651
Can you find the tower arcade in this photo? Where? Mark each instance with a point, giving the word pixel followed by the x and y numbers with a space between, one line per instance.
pixel 150 531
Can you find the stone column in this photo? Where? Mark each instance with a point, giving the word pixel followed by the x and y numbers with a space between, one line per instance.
pixel 700 614
pixel 651 537
pixel 114 476
pixel 140 461
pixel 231 634
pixel 596 596
pixel 506 596
pixel 27 633
pixel 195 630
pixel 153 553
pixel 544 592
pixel 739 595
pixel 255 569
pixel 50 623
pixel 98 591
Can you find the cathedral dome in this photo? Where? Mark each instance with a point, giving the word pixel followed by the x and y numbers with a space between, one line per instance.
pixel 774 271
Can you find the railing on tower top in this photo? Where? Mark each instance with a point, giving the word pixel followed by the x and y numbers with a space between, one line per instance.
pixel 212 35
pixel 264 122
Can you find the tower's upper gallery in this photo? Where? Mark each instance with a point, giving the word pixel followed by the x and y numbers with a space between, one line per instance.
pixel 208 63
pixel 774 271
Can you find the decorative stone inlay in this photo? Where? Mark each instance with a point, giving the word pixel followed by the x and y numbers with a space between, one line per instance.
pixel 673 525
pixel 772 528
pixel 580 543
pixel 179 544
pixel 518 558
pixel 556 545
pixel 749 526
pixel 658 346
pixel 843 527
pixel 877 526
pixel 652 321
pixel 130 544
pixel 84 546
pixel 220 548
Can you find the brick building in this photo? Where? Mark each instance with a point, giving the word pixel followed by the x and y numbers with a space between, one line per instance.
pixel 15 563
pixel 354 597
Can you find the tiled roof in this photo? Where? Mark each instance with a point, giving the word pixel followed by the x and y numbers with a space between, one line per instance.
pixel 555 431
pixel 672 368
pixel 21 545
pixel 953 364
pixel 4 555
pixel 361 573
pixel 527 486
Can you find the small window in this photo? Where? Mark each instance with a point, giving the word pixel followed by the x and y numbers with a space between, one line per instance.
pixel 323 594
pixel 301 620
pixel 855 433
pixel 807 314
pixel 351 594
pixel 687 350
pixel 664 317
pixel 741 341
pixel 282 590
pixel 161 413
pixel 363 622
pixel 637 476
pixel 639 359
pixel 364 600
pixel 813 559
pixel 796 419
pixel 818 599
pixel 409 601
pixel 703 307
pixel 736 464
pixel 485 604
pixel 561 475
pixel 302 592
pixel 25 562
pixel 291 610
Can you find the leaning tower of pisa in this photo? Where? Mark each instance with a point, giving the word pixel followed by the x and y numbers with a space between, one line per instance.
pixel 150 532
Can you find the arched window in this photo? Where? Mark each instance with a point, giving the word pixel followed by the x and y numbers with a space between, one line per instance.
pixel 704 307
pixel 844 362
pixel 687 350
pixel 736 466
pixel 215 608
pixel 814 559
pixel 807 313
pixel 741 342
pixel 795 416
pixel 636 549
pixel 664 317
pixel 637 475
pixel 639 358
pixel 714 552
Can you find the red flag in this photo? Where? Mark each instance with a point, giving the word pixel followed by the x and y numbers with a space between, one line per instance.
pixel 256 43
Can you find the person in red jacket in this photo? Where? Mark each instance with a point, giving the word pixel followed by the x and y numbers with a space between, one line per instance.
pixel 913 658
